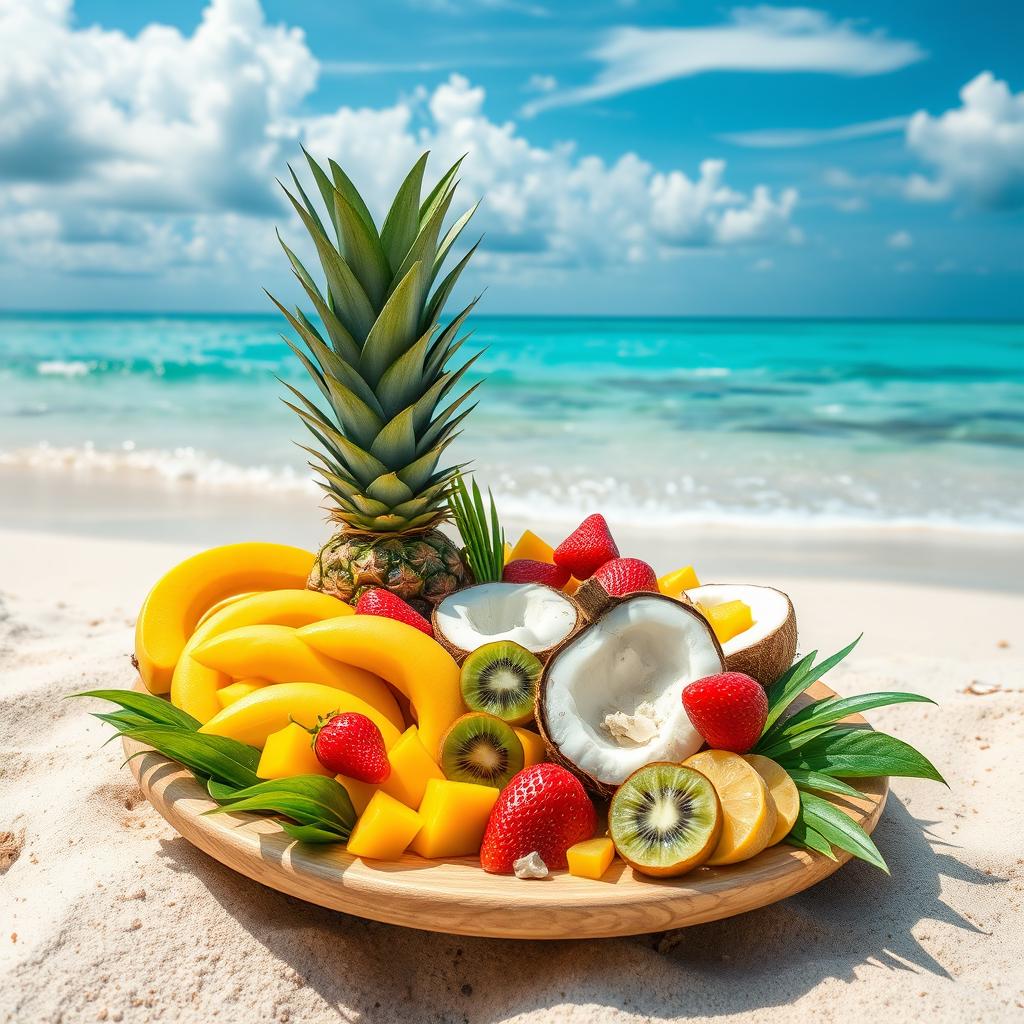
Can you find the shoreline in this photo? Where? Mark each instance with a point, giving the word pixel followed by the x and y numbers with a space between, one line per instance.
pixel 48 503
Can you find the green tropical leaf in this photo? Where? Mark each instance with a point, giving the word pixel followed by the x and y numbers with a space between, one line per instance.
pixel 839 829
pixel 834 709
pixel 856 753
pixel 783 745
pixel 344 185
pixel 806 779
pixel 314 800
pixel 481 531
pixel 217 757
pixel 803 835
pixel 155 709
pixel 438 192
pixel 444 289
pixel 312 834
pixel 362 250
pixel 451 238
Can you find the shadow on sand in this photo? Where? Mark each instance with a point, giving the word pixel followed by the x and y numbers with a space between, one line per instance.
pixel 766 958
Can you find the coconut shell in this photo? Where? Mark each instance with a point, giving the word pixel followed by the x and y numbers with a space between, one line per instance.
pixel 772 655
pixel 460 655
pixel 602 789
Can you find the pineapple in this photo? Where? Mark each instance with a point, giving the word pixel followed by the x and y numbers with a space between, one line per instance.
pixel 389 406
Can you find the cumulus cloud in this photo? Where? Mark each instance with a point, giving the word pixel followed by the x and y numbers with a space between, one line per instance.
pixel 976 150
pixel 760 39
pixel 158 151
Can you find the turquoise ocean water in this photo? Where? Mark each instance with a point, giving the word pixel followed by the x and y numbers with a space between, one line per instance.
pixel 654 421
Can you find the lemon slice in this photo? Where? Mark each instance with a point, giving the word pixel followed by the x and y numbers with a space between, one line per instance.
pixel 748 811
pixel 784 793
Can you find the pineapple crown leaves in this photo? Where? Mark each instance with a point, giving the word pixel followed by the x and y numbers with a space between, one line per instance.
pixel 379 358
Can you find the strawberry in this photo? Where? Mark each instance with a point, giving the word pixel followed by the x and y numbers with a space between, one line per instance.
pixel 376 601
pixel 729 710
pixel 587 548
pixel 350 744
pixel 544 809
pixel 623 576
pixel 526 570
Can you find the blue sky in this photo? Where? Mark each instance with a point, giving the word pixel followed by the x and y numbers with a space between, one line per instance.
pixel 637 157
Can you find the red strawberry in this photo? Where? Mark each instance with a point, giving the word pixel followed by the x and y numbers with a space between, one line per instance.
pixel 544 809
pixel 350 744
pixel 526 570
pixel 376 601
pixel 623 576
pixel 728 710
pixel 587 548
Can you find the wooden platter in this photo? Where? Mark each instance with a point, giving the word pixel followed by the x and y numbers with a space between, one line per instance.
pixel 457 896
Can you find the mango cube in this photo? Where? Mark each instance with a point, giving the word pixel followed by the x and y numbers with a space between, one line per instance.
pixel 728 619
pixel 534 750
pixel 532 547
pixel 289 752
pixel 454 816
pixel 411 768
pixel 673 584
pixel 384 830
pixel 236 691
pixel 591 858
pixel 359 792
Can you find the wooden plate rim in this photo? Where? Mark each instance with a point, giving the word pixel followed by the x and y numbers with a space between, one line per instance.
pixel 457 897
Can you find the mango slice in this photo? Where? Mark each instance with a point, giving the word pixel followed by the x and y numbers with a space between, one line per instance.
pixel 728 619
pixel 412 767
pixel 673 584
pixel 173 607
pixel 784 793
pixel 278 654
pixel 287 752
pixel 194 686
pixel 591 858
pixel 454 817
pixel 534 750
pixel 236 691
pixel 359 792
pixel 252 719
pixel 385 829
pixel 412 662
pixel 532 547
pixel 748 811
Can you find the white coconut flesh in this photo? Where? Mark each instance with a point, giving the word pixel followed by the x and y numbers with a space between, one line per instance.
pixel 638 656
pixel 768 608
pixel 534 616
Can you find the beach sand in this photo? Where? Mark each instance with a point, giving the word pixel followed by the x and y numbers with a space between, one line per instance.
pixel 107 915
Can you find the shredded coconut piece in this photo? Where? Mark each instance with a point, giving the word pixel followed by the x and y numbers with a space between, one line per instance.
pixel 636 729
pixel 530 866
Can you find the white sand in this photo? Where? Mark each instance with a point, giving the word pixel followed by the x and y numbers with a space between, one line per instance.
pixel 106 914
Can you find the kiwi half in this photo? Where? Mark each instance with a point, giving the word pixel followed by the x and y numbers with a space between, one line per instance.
pixel 665 819
pixel 500 678
pixel 482 749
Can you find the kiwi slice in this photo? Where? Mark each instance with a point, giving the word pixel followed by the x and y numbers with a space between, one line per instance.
pixel 665 819
pixel 482 749
pixel 500 678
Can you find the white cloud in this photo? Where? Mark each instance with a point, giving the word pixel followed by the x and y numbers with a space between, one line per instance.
pixel 900 240
pixel 976 150
pixel 760 39
pixel 541 83
pixel 782 138
pixel 157 152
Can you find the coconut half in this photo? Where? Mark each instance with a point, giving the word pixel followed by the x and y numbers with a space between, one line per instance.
pixel 768 648
pixel 610 699
pixel 532 615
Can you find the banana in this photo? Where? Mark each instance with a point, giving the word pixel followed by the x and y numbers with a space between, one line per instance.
pixel 252 719
pixel 409 660
pixel 194 686
pixel 174 606
pixel 276 653
pixel 221 605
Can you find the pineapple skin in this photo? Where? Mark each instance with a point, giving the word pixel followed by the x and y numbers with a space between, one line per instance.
pixel 422 568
